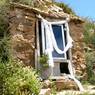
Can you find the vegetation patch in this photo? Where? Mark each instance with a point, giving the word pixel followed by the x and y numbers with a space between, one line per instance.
pixel 65 8
pixel 17 79
pixel 90 62
pixel 4 31
pixel 89 39
pixel 26 2
pixel 44 61
pixel 89 34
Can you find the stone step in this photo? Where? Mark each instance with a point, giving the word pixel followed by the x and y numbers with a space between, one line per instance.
pixel 64 83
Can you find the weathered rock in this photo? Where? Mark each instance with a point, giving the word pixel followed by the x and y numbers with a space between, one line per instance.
pixel 63 84
pixel 23 35
pixel 45 91
pixel 78 58
pixel 46 84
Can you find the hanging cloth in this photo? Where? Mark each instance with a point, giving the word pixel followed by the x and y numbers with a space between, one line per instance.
pixel 49 47
pixel 54 43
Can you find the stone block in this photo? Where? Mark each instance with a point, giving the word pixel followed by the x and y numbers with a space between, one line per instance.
pixel 46 84
pixel 45 92
pixel 63 84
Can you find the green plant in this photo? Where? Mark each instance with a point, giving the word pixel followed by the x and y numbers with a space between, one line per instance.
pixel 86 93
pixel 26 2
pixel 44 61
pixel 93 39
pixel 65 8
pixel 4 31
pixel 16 79
pixel 4 49
pixel 90 62
pixel 89 33
pixel 4 23
pixel 53 88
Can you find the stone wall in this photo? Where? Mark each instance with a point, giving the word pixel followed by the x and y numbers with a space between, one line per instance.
pixel 78 56
pixel 22 29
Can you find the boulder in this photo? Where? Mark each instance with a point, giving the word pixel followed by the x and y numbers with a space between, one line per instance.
pixel 45 91
pixel 64 84
pixel 46 84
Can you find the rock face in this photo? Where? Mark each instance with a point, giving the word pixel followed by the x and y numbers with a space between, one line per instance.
pixel 45 91
pixel 22 24
pixel 78 57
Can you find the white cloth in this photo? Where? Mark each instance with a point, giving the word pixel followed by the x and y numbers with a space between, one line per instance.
pixel 73 77
pixel 69 41
pixel 51 43
pixel 49 47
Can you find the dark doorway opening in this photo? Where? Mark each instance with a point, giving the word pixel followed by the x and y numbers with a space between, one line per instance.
pixel 40 37
pixel 64 68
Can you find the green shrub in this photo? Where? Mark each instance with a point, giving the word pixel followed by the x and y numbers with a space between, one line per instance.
pixel 16 79
pixel 4 49
pixel 90 62
pixel 44 61
pixel 53 88
pixel 27 2
pixel 93 39
pixel 4 23
pixel 89 33
pixel 4 31
pixel 65 8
